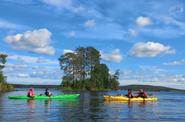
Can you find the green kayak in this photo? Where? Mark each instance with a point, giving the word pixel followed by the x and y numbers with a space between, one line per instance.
pixel 58 97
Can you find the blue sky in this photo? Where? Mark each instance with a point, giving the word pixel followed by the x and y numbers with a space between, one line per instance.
pixel 144 39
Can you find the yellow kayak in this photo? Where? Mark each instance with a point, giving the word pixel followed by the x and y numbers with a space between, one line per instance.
pixel 124 98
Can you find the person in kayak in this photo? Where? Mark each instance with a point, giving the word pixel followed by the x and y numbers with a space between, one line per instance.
pixel 129 94
pixel 142 94
pixel 30 92
pixel 47 93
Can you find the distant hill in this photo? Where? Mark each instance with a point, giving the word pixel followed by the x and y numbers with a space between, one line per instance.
pixel 149 88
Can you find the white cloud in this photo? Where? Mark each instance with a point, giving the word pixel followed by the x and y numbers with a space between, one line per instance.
pixel 16 66
pixel 8 25
pixel 47 74
pixel 79 9
pixel 105 31
pixel 30 59
pixel 143 21
pixel 47 61
pixel 39 67
pixel 67 51
pixel 31 80
pixel 48 50
pixel 165 33
pixel 152 69
pixel 65 4
pixel 32 70
pixel 58 3
pixel 176 9
pixel 22 75
pixel 72 34
pixel 90 23
pixel 133 32
pixel 168 27
pixel 37 41
pixel 181 62
pixel 114 56
pixel 150 49
pixel 27 59
pixel 29 71
pixel 169 20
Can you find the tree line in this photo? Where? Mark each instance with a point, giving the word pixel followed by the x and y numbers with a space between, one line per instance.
pixel 83 69
pixel 4 86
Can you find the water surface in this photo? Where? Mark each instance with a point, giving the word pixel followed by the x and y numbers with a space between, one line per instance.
pixel 91 107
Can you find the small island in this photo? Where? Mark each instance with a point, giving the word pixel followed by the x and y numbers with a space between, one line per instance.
pixel 83 70
pixel 4 86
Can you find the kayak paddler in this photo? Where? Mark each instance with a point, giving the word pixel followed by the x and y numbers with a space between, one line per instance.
pixel 47 93
pixel 142 93
pixel 30 92
pixel 129 94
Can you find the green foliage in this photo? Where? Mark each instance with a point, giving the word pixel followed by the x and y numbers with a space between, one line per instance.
pixel 3 85
pixel 2 79
pixel 100 76
pixel 2 60
pixel 83 71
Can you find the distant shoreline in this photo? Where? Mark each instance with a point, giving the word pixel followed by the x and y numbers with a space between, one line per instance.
pixel 150 88
pixel 133 87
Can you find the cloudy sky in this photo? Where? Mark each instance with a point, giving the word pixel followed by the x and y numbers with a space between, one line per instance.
pixel 142 38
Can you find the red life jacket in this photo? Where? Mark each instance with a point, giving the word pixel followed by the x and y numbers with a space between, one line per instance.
pixel 30 93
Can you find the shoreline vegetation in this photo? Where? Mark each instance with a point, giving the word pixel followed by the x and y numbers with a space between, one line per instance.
pixel 4 86
pixel 126 87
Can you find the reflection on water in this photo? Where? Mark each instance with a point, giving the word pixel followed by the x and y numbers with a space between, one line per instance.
pixel 47 104
pixel 31 103
pixel 128 110
pixel 91 107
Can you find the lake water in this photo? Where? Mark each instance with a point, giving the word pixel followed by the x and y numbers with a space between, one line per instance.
pixel 90 107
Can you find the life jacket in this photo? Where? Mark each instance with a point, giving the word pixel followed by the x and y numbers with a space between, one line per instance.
pixel 129 95
pixel 30 93
pixel 47 93
pixel 142 94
